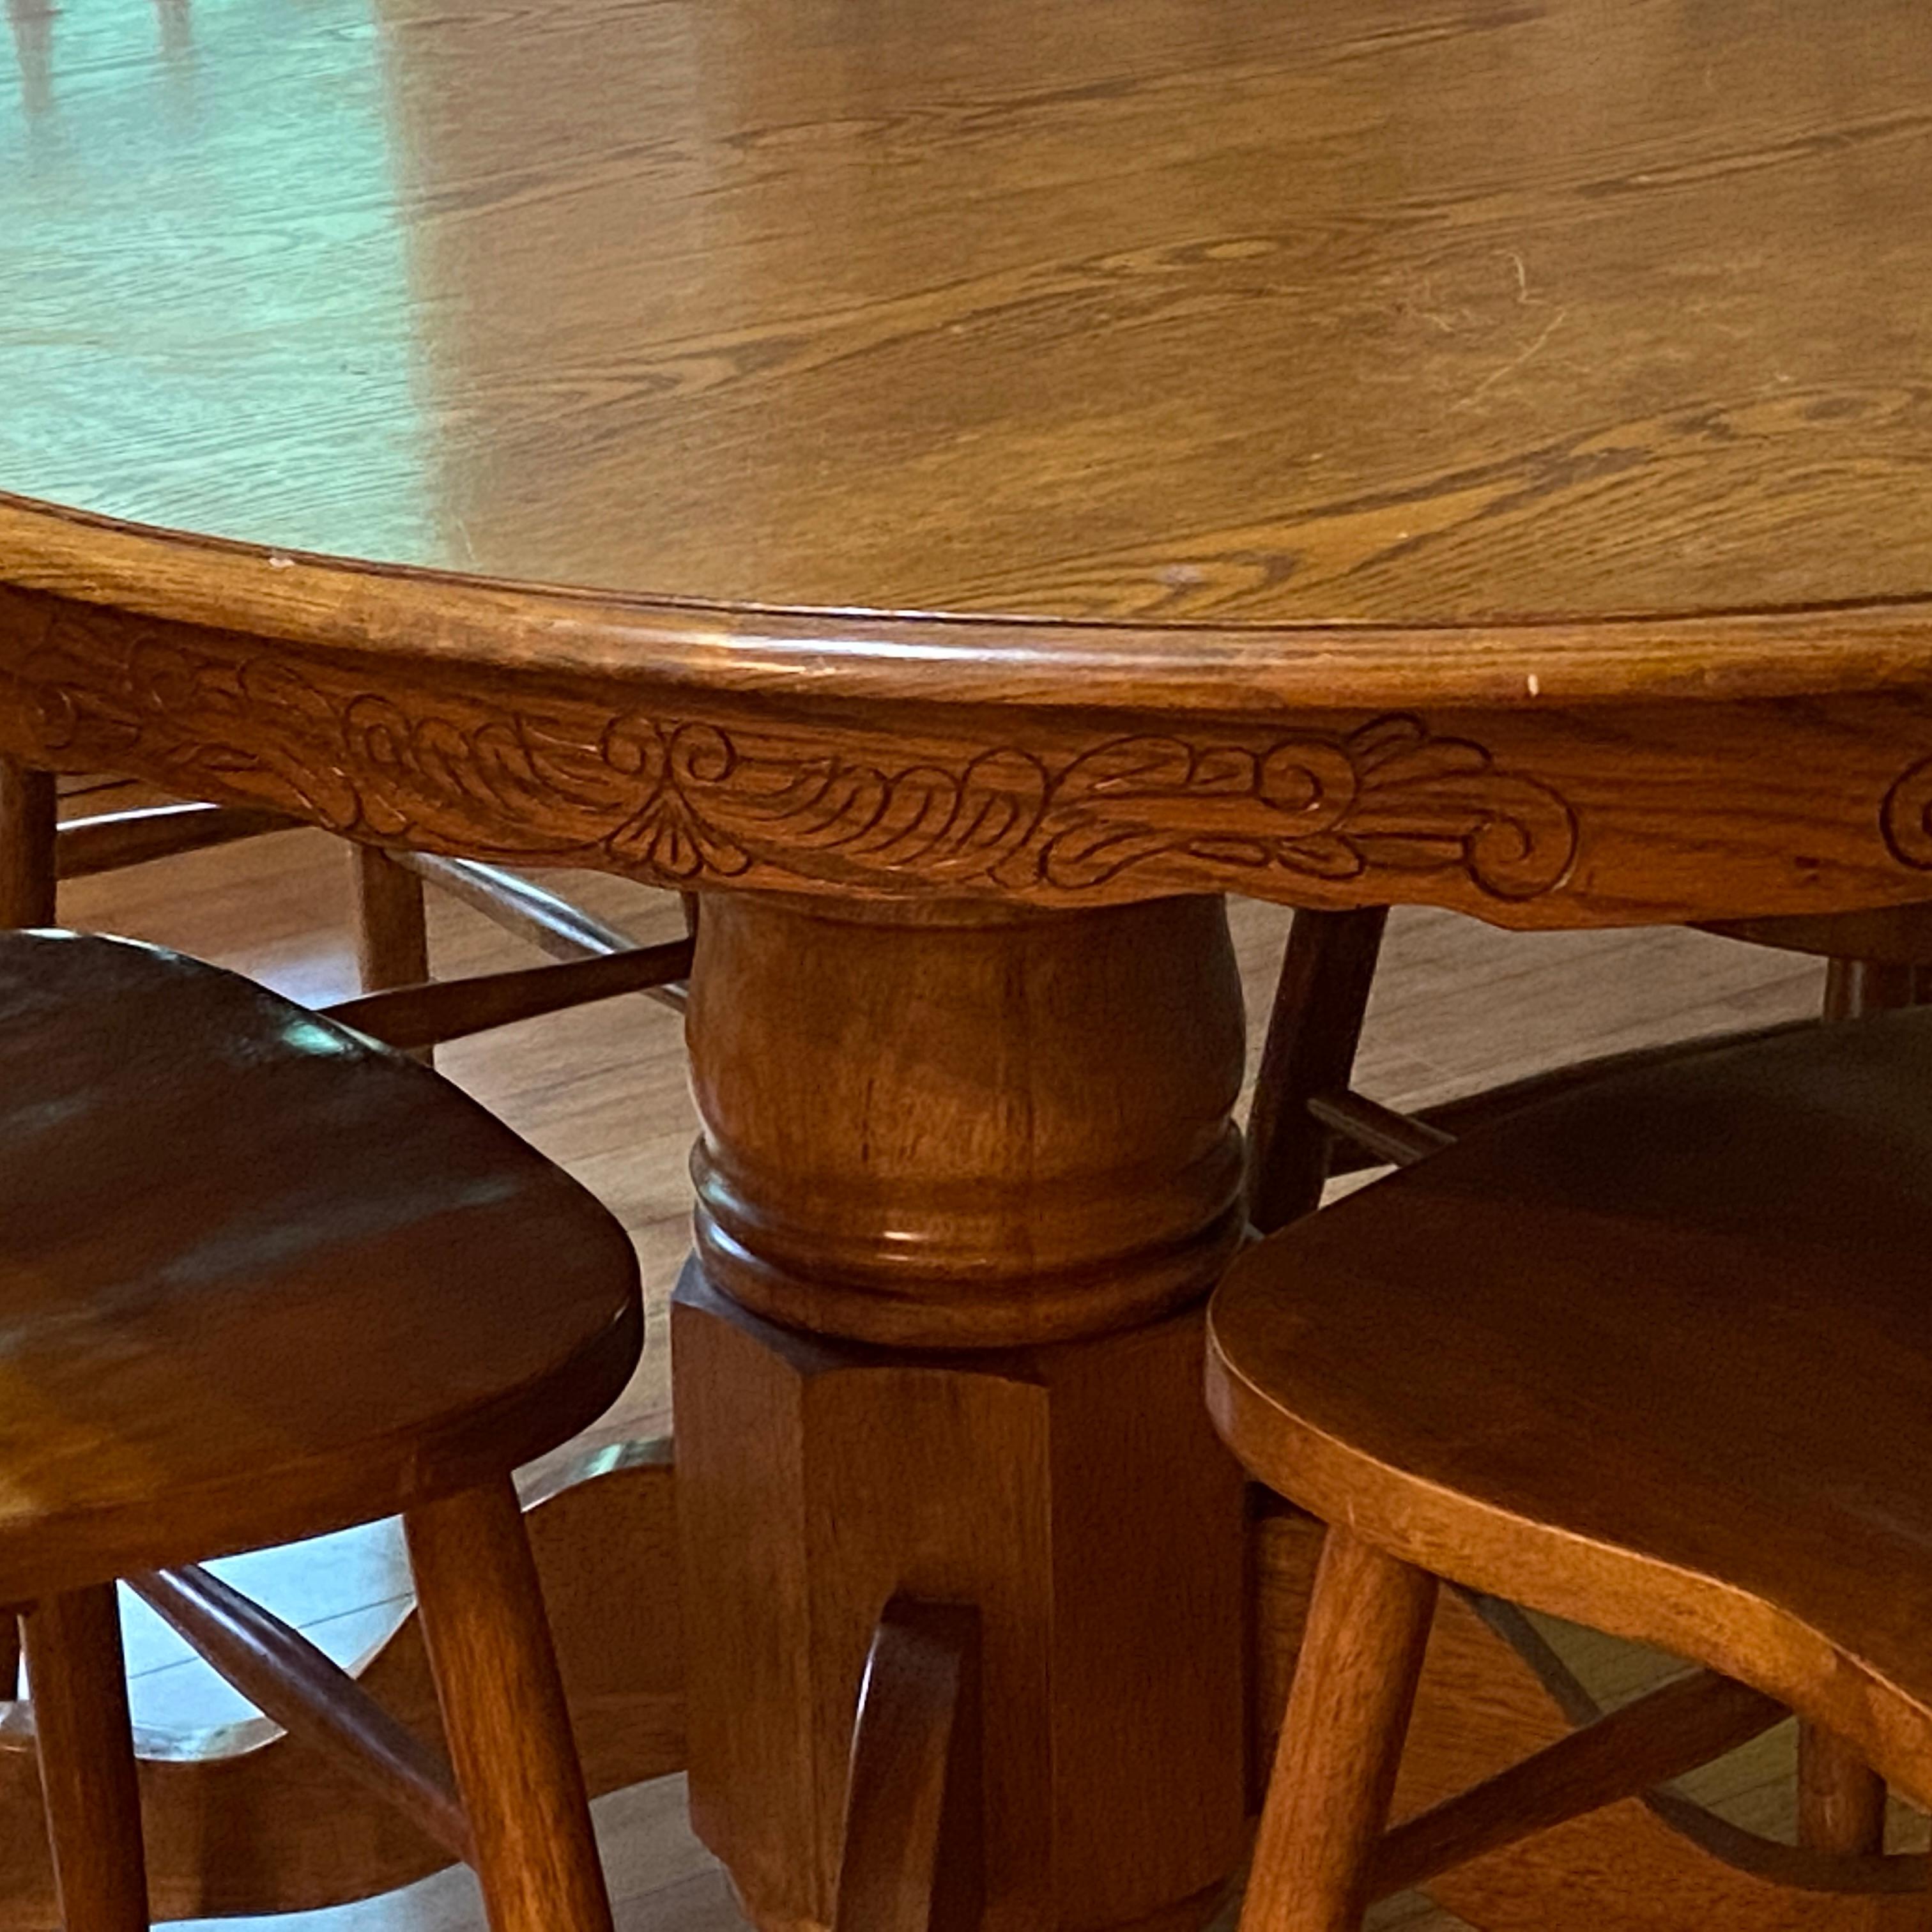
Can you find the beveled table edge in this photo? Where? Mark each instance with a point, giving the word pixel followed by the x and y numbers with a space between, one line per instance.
pixel 924 659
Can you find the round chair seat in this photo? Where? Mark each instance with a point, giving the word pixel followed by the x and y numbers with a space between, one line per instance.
pixel 1656 1356
pixel 261 1278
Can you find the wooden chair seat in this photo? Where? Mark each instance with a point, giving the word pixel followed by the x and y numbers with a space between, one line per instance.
pixel 1656 1356
pixel 259 1277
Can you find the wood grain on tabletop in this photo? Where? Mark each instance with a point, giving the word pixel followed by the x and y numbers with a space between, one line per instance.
pixel 1347 311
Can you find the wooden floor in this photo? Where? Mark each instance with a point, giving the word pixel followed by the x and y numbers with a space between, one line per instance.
pixel 603 1091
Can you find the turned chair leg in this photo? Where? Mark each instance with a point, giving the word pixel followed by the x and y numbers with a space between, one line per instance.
pixel 28 808
pixel 1341 1742
pixel 74 1668
pixel 1312 1033
pixel 503 1709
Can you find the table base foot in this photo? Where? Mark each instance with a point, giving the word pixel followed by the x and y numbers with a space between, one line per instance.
pixel 1208 1910
pixel 1073 1497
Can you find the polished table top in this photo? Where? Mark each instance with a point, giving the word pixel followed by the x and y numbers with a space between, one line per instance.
pixel 1082 455
pixel 1156 312
pixel 1065 450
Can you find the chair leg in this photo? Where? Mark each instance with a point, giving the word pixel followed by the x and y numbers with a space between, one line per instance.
pixel 392 928
pixel 1841 1798
pixel 79 1687
pixel 1854 988
pixel 1341 1742
pixel 1312 1033
pixel 509 1734
pixel 28 813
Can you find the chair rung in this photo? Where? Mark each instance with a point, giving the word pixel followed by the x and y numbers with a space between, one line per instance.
pixel 1674 1729
pixel 564 930
pixel 108 841
pixel 1469 1112
pixel 551 924
pixel 1379 1130
pixel 408 1017
pixel 289 1680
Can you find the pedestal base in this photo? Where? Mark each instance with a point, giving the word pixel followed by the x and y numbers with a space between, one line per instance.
pixel 1075 1496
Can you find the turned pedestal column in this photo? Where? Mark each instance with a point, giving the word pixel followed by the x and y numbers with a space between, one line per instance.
pixel 967 1173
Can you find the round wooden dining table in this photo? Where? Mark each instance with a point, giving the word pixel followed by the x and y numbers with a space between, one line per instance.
pixel 963 488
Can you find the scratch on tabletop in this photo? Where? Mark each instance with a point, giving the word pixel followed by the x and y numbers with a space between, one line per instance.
pixel 1510 367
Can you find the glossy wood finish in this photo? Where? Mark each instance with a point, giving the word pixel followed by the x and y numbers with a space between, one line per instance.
pixel 263 1280
pixel 952 1127
pixel 1652 1265
pixel 1521 378
pixel 258 1160
pixel 912 1859
pixel 1005 1136
pixel 73 1643
pixel 245 1819
pixel 1247 324
pixel 503 1709
pixel 250 1822
pixel 411 1017
pixel 1341 1744
pixel 1528 814
pixel 605 1090
pixel 1320 453
pixel 295 1685
pixel 1496 1703
pixel 1074 1495
pixel 28 876
pixel 107 841
pixel 1305 1110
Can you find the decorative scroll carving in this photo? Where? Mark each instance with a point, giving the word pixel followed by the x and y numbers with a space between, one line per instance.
pixel 679 800
pixel 1390 796
pixel 1906 817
